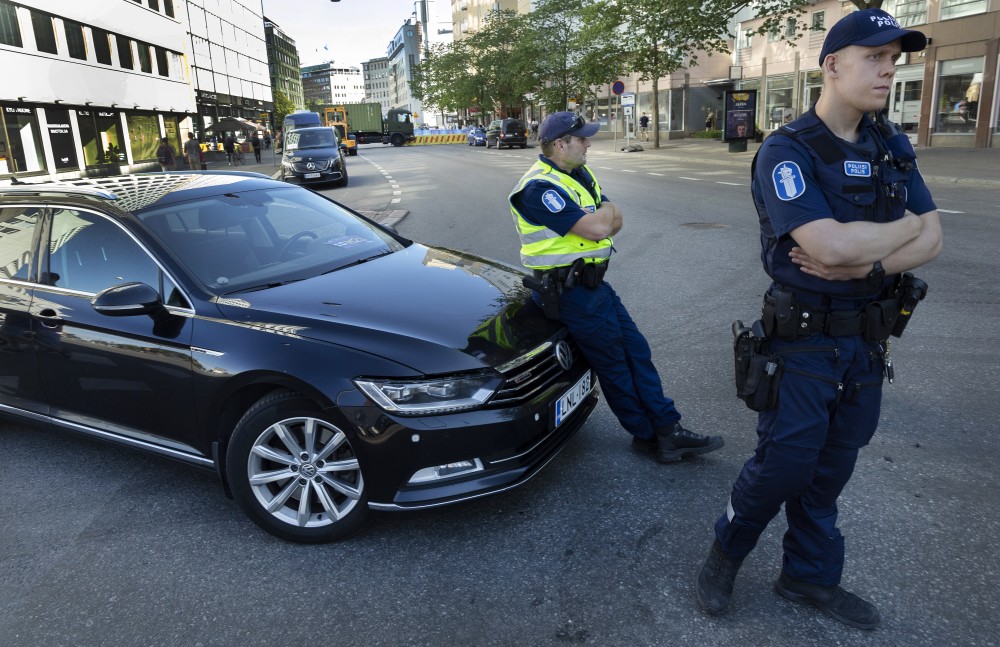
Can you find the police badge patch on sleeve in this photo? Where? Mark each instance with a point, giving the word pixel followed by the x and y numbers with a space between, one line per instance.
pixel 553 201
pixel 788 181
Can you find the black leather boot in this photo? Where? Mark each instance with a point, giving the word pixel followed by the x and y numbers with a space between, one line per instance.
pixel 715 581
pixel 832 600
pixel 676 442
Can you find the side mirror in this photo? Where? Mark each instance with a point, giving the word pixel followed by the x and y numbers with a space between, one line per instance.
pixel 129 299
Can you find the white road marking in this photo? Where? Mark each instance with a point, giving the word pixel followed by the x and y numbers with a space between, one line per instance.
pixel 949 211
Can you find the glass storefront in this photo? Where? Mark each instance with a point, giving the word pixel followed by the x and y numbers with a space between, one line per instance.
pixel 20 142
pixel 143 135
pixel 812 84
pixel 777 101
pixel 959 84
pixel 101 136
pixel 904 101
pixel 61 139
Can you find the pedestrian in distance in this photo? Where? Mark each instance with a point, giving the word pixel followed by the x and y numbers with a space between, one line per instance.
pixel 844 214
pixel 565 225
pixel 267 140
pixel 166 156
pixel 644 127
pixel 255 143
pixel 229 145
pixel 192 151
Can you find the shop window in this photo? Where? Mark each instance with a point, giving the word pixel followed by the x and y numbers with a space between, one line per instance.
pixel 45 33
pixel 100 134
pixel 145 61
pixel 22 143
pixel 960 84
pixel 102 45
pixel 811 87
pixel 124 52
pixel 17 233
pixel 61 138
pixel 778 101
pixel 75 42
pixel 143 135
pixel 907 12
pixel 959 8
pixel 10 31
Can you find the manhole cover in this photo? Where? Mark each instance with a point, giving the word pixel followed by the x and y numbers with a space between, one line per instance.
pixel 704 225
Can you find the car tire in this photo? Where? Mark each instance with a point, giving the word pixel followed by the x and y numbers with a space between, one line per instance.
pixel 353 152
pixel 342 182
pixel 397 140
pixel 524 145
pixel 283 448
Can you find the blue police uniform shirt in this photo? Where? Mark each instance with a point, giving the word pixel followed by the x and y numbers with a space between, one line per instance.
pixel 557 216
pixel 787 190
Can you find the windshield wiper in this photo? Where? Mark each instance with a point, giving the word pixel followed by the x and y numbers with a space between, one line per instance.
pixel 264 286
pixel 361 260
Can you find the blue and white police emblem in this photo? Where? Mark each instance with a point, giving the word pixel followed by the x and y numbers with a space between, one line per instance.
pixel 857 169
pixel 788 182
pixel 553 201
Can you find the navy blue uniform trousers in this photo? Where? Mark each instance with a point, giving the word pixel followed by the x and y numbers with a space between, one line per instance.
pixel 620 355
pixel 829 401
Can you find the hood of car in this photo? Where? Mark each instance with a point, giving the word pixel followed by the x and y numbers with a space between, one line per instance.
pixel 433 310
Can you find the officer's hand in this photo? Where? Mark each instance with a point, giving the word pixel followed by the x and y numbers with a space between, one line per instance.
pixel 809 265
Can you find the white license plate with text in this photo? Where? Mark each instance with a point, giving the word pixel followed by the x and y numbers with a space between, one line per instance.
pixel 573 397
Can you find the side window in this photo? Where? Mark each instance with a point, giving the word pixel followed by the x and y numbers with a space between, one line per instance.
pixel 89 253
pixel 17 235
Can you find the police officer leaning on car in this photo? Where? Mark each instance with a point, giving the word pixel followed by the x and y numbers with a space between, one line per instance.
pixel 565 225
pixel 832 190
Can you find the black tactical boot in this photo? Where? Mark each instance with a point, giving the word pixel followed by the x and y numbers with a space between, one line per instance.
pixel 715 581
pixel 675 442
pixel 832 600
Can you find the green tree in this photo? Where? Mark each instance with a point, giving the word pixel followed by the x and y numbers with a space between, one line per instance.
pixel 283 106
pixel 554 45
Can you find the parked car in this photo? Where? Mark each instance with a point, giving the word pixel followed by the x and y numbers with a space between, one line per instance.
pixel 313 156
pixel 319 363
pixel 476 136
pixel 506 132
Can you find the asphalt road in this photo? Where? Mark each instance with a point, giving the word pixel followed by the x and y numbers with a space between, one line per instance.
pixel 105 547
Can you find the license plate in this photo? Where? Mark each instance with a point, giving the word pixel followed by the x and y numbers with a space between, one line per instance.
pixel 572 398
pixel 311 176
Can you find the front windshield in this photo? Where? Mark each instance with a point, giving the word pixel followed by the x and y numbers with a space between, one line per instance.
pixel 256 239
pixel 318 138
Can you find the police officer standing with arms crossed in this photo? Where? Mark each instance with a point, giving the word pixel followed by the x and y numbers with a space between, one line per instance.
pixel 836 194
pixel 565 225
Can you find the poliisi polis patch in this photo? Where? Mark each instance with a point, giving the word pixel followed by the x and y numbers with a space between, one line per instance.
pixel 788 182
pixel 553 201
pixel 858 169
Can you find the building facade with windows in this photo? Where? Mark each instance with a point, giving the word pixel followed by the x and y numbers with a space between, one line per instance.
pixel 376 73
pixel 945 95
pixel 328 84
pixel 90 88
pixel 283 64
pixel 469 16
pixel 228 59
pixel 402 56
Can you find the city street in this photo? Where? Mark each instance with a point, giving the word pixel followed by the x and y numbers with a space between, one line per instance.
pixel 106 547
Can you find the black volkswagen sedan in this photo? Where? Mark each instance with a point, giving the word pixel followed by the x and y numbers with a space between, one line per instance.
pixel 321 364
pixel 313 156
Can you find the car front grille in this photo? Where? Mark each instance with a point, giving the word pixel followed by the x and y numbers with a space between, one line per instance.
pixel 318 165
pixel 526 380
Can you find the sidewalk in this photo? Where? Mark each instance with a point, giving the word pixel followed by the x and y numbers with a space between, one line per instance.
pixel 977 167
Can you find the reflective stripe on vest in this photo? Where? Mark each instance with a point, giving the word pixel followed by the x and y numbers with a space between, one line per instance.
pixel 542 248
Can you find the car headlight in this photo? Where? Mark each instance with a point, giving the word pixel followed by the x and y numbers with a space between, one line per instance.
pixel 430 396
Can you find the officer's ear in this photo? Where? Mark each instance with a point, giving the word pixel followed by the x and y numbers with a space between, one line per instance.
pixel 830 64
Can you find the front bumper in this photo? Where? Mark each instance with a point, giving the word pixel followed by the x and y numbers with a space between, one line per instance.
pixel 510 445
pixel 321 177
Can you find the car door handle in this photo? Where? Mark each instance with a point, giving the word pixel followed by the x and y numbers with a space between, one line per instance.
pixel 49 318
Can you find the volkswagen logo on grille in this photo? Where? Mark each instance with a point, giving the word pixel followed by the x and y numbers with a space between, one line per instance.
pixel 564 355
pixel 310 166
